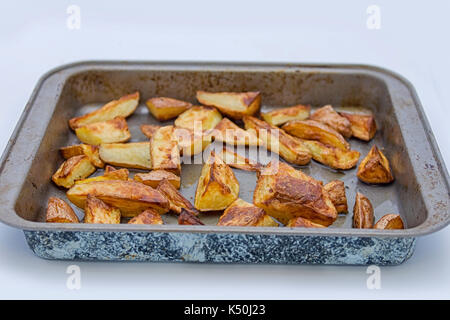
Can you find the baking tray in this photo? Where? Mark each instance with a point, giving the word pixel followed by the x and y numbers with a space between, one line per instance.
pixel 420 193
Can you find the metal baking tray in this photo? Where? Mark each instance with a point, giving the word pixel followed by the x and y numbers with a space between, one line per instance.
pixel 420 192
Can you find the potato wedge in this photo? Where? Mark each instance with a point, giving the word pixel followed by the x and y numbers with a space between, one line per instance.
pixel 389 222
pixel 336 191
pixel 235 160
pixel 192 142
pixel 302 222
pixel 332 157
pixel 363 127
pixel 130 197
pixel 176 199
pixel 164 152
pixel 277 140
pixel 286 193
pixel 331 118
pixel 153 178
pixel 121 174
pixel 165 109
pixel 281 116
pixel 75 168
pixel 83 149
pixel 134 155
pixel 374 168
pixel 187 218
pixel 97 211
pixel 363 217
pixel 148 216
pixel 122 107
pixel 149 129
pixel 217 186
pixel 233 104
pixel 198 118
pixel 59 211
pixel 313 130
pixel 111 131
pixel 229 133
pixel 242 213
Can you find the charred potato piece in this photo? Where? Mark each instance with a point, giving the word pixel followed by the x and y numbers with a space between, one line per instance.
pixel 242 213
pixel 363 127
pixel 276 140
pixel 83 149
pixel 164 152
pixel 313 130
pixel 303 223
pixel 111 131
pixel 148 216
pixel 121 174
pixel 362 212
pixel 281 116
pixel 165 109
pixel 187 218
pixel 217 186
pixel 235 160
pixel 153 178
pixel 134 155
pixel 336 191
pixel 332 157
pixel 123 107
pixel 176 199
pixel 374 168
pixel 59 211
pixel 233 104
pixel 286 193
pixel 389 222
pixel 331 118
pixel 97 211
pixel 130 197
pixel 149 130
pixel 231 134
pixel 75 168
pixel 198 118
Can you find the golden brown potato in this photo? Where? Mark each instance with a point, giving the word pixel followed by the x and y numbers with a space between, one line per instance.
pixel 302 222
pixel 331 118
pixel 134 155
pixel 165 109
pixel 148 216
pixel 374 168
pixel 286 193
pixel 176 199
pixel 198 118
pixel 233 104
pixel 192 142
pixel 276 140
pixel 187 218
pixel 362 212
pixel 164 152
pixel 332 157
pixel 123 107
pixel 336 191
pixel 111 131
pixel 389 222
pixel 129 196
pixel 217 186
pixel 244 214
pixel 231 134
pixel 313 130
pixel 59 211
pixel 280 116
pixel 121 174
pixel 83 149
pixel 97 211
pixel 75 168
pixel 149 129
pixel 153 178
pixel 363 127
pixel 235 160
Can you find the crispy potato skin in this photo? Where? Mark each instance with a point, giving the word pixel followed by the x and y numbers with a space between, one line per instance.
pixel 303 223
pixel 363 127
pixel 313 130
pixel 75 168
pixel 122 107
pixel 198 118
pixel 129 196
pixel 149 130
pixel 134 155
pixel 121 174
pixel 176 199
pixel 363 217
pixel 187 218
pixel 332 157
pixel 286 193
pixel 231 134
pixel 83 149
pixel 153 178
pixel 165 109
pixel 283 115
pixel 110 131
pixel 233 104
pixel 242 213
pixel 97 211
pixel 389 222
pixel 331 118
pixel 59 211
pixel 148 216
pixel 164 152
pixel 237 161
pixel 374 168
pixel 336 191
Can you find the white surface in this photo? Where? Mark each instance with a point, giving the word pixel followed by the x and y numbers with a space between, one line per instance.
pixel 413 40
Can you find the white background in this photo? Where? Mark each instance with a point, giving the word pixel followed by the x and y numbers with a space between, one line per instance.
pixel 413 40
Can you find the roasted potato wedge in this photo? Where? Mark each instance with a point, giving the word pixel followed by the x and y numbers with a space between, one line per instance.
pixel 229 133
pixel 286 193
pixel 389 222
pixel 192 142
pixel 123 107
pixel 332 157
pixel 129 196
pixel 313 130
pixel 336 191
pixel 148 216
pixel 303 223
pixel 363 127
pixel 276 140
pixel 235 160
pixel 187 218
pixel 97 211
pixel 111 131
pixel 153 178
pixel 217 186
pixel 176 199
pixel 83 149
pixel 233 104
pixel 374 168
pixel 59 211
pixel 75 168
pixel 149 129
pixel 331 118
pixel 121 174
pixel 242 213
pixel 363 217
pixel 165 109
pixel 134 155
pixel 164 152
pixel 198 118
pixel 281 116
